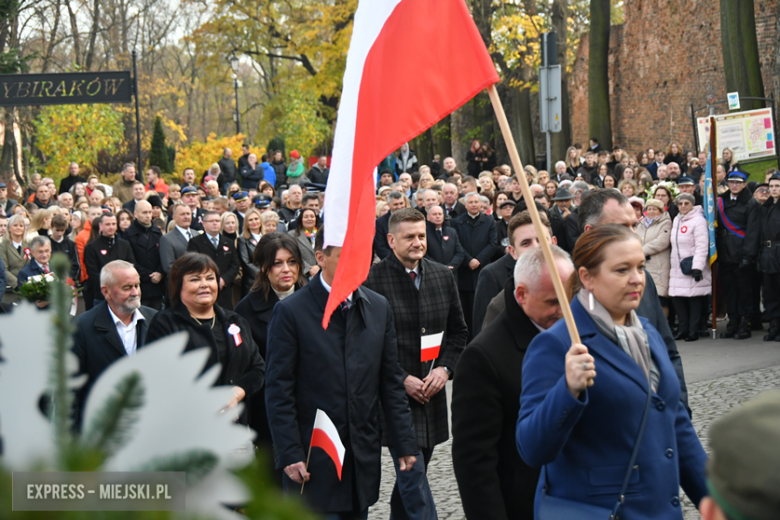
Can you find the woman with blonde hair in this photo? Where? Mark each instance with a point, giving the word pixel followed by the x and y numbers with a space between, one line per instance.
pixel 486 184
pixel 253 224
pixel 270 222
pixel 572 161
pixel 229 225
pixel 40 224
pixel 381 208
pixel 77 220
pixel 426 181
pixel 674 153
pixel 628 188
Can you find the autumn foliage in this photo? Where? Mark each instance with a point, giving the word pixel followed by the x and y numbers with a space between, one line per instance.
pixel 201 155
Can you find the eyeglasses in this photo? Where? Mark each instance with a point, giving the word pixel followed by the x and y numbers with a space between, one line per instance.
pixel 763 190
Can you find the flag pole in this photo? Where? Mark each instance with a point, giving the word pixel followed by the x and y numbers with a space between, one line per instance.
pixel 560 292
pixel 306 467
pixel 714 173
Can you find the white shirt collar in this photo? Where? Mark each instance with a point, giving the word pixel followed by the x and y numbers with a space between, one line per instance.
pixel 416 270
pixel 16 244
pixel 39 264
pixel 115 319
pixel 256 236
pixel 184 231
pixel 327 287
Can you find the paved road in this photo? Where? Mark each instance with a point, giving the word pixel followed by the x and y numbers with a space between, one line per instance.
pixel 720 373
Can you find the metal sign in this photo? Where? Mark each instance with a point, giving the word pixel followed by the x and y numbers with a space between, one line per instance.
pixel 750 134
pixel 67 88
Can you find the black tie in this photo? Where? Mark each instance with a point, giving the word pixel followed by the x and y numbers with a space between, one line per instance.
pixel 19 248
pixel 344 306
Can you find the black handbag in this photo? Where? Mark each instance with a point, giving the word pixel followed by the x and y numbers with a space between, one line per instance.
pixel 554 508
pixel 686 264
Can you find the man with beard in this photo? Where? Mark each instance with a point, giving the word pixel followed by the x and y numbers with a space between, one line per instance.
pixel 114 328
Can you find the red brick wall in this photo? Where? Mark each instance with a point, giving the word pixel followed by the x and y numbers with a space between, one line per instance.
pixel 665 56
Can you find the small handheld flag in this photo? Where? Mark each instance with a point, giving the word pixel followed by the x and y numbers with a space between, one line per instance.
pixel 430 346
pixel 326 436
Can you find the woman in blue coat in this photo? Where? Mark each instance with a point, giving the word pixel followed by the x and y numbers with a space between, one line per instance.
pixel 582 435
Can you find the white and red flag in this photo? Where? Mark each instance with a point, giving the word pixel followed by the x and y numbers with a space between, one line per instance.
pixel 430 346
pixel 401 78
pixel 326 436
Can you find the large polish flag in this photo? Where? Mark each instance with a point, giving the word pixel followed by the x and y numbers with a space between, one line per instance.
pixel 326 436
pixel 402 76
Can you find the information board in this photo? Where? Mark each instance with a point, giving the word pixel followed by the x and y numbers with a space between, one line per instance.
pixel 750 134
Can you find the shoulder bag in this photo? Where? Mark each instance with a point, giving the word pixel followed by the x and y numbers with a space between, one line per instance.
pixel 686 264
pixel 554 508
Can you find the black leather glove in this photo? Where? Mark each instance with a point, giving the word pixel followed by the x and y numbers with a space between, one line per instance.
pixel 697 275
pixel 744 264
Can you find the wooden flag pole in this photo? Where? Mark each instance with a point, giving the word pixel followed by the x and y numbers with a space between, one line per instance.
pixel 714 174
pixel 538 226
pixel 306 467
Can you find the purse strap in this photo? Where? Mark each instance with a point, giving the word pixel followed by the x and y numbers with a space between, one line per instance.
pixel 634 454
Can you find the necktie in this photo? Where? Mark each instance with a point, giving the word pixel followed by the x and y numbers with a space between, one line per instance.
pixel 215 241
pixel 189 235
pixel 414 276
pixel 344 306
pixel 46 268
pixel 19 248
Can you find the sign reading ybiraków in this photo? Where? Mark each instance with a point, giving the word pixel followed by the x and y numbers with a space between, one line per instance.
pixel 65 88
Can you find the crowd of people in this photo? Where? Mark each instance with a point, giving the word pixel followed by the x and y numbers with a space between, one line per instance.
pixel 458 290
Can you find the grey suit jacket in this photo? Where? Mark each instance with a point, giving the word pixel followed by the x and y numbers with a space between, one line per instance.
pixel 307 250
pixel 172 245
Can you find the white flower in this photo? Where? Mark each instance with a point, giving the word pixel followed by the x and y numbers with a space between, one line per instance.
pixel 37 278
pixel 49 278
pixel 179 412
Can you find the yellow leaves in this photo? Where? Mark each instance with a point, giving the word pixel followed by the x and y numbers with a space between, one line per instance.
pixel 201 155
pixel 78 133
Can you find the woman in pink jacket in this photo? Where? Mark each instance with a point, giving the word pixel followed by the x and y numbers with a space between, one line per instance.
pixel 690 245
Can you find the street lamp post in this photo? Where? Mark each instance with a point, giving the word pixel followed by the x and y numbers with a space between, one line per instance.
pixel 237 115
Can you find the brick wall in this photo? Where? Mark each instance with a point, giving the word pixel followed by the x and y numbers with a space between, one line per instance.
pixel 665 56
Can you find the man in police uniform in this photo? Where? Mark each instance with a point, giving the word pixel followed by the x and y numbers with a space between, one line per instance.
pixel 737 241
pixel 769 257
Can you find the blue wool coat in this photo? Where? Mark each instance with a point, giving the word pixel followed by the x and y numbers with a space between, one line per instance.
pixel 586 443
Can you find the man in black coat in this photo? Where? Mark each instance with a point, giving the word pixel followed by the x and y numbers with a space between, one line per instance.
pixel 493 277
pixel 60 243
pixel 739 228
pixel 443 242
pixel 73 177
pixel 345 370
pixel 106 248
pixel 426 311
pixel 228 168
pixel 216 246
pixel 452 207
pixel 599 207
pixel 97 342
pixel 318 174
pixel 381 248
pixel 494 482
pixel 145 238
pixel 558 215
pixel 477 233
pixel 769 257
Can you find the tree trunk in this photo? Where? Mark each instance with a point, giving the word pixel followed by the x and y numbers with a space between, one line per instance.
pixel 52 38
pixel 740 51
pixel 93 35
pixel 562 140
pixel 599 117
pixel 521 123
pixel 74 31
pixel 443 137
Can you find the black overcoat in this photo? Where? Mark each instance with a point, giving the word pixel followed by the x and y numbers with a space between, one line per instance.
pixel 444 248
pixel 101 251
pixel 346 371
pixel 494 482
pixel 769 245
pixel 97 345
pixel 745 212
pixel 491 281
pixel 479 240
pixel 434 308
pixel 244 367
pixel 146 249
pixel 226 258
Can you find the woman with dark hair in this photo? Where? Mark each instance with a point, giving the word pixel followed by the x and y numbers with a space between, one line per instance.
pixel 474 159
pixel 609 180
pixel 194 288
pixel 551 188
pixel 278 262
pixel 501 196
pixel 123 221
pixel 305 232
pixel 642 158
pixel 627 441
